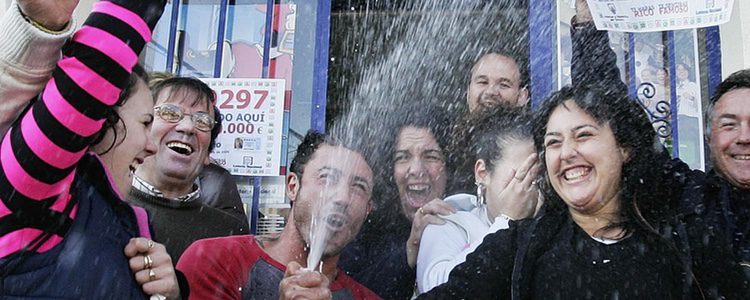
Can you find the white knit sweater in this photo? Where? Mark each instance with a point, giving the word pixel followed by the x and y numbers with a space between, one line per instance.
pixel 27 58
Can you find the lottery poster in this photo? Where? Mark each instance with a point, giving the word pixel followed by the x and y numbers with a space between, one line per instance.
pixel 658 15
pixel 252 115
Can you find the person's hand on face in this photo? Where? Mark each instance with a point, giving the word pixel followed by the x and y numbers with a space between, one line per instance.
pixel 303 284
pixel 518 197
pixel 152 267
pixel 52 14
pixel 427 214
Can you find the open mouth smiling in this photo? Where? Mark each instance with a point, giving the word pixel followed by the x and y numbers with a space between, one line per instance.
pixel 180 148
pixel 418 188
pixel 576 174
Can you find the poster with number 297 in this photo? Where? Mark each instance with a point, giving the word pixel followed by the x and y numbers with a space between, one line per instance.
pixel 251 112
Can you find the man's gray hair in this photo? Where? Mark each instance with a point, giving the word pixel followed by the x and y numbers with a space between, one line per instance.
pixel 738 80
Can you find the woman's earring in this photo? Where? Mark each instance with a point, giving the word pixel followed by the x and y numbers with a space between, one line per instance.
pixel 480 193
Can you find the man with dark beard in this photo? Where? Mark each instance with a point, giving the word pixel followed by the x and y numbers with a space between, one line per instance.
pixel 326 179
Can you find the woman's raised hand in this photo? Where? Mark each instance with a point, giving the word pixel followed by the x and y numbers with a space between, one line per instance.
pixel 52 14
pixel 518 199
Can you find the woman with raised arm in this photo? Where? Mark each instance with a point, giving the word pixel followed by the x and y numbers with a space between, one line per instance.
pixel 413 183
pixel 65 231
pixel 611 226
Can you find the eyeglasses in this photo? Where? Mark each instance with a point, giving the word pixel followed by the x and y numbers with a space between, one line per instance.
pixel 173 114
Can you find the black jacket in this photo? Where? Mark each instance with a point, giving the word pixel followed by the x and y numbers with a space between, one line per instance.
pixel 726 209
pixel 503 266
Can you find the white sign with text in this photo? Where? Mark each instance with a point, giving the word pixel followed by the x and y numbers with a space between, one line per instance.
pixel 252 112
pixel 658 15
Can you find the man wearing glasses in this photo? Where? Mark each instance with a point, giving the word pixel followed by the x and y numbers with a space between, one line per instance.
pixel 165 184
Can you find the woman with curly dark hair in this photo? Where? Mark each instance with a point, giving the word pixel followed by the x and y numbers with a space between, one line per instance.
pixel 611 227
pixel 407 197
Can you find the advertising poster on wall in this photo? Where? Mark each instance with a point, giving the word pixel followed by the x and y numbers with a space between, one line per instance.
pixel 689 100
pixel 656 83
pixel 659 15
pixel 252 118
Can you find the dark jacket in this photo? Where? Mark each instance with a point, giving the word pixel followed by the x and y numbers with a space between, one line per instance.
pixel 177 224
pixel 723 207
pixel 504 265
pixel 219 190
pixel 593 61
pixel 377 257
pixel 64 225
pixel 726 209
pixel 89 262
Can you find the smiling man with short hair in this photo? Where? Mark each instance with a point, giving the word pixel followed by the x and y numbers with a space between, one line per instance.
pixel 727 196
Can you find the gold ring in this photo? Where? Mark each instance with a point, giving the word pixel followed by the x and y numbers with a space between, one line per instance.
pixel 150 244
pixel 421 211
pixel 151 275
pixel 147 262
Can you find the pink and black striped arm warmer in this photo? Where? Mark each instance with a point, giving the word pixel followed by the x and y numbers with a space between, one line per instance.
pixel 38 156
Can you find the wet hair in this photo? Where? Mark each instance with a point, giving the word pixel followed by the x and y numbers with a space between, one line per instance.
pixel 738 80
pixel 435 120
pixel 644 195
pixel 484 135
pixel 305 150
pixel 111 117
pixel 421 115
pixel 312 142
pixel 388 214
pixel 200 91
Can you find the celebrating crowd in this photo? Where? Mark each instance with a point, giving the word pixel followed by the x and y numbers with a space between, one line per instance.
pixel 107 190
